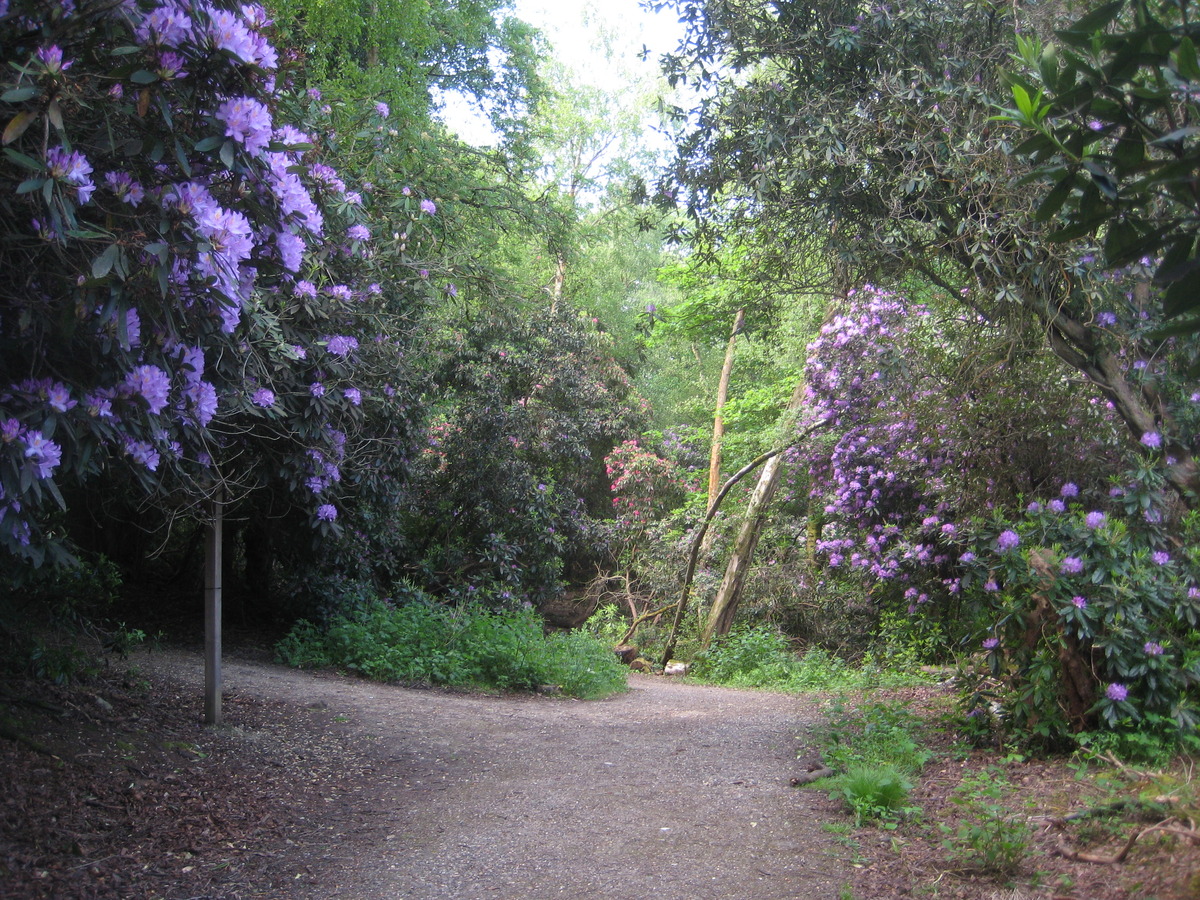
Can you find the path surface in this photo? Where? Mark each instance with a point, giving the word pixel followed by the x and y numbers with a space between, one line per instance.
pixel 669 792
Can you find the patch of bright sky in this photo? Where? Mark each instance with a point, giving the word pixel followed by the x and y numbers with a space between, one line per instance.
pixel 578 32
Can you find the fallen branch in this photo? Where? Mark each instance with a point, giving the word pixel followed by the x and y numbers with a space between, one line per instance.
pixel 1163 827
pixel 814 775
pixel 642 618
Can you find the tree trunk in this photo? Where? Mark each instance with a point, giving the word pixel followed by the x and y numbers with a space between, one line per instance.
pixel 1139 406
pixel 714 457
pixel 724 607
pixel 685 593
pixel 729 595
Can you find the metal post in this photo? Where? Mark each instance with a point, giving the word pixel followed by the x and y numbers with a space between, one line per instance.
pixel 212 616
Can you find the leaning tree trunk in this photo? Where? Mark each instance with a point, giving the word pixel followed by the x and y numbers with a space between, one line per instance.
pixel 724 608
pixel 729 595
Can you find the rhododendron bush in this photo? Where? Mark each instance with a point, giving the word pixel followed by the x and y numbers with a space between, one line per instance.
pixel 181 302
pixel 1008 509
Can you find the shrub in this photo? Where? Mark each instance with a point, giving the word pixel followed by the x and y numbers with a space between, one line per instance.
pixel 422 642
pixel 992 838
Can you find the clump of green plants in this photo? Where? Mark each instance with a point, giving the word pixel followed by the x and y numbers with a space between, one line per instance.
pixel 876 751
pixel 761 657
pixel 875 794
pixel 991 838
pixel 421 642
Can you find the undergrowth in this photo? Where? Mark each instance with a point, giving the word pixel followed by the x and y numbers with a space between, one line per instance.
pixel 762 658
pixel 455 647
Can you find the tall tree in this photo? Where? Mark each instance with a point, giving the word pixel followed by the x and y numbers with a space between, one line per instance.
pixel 865 138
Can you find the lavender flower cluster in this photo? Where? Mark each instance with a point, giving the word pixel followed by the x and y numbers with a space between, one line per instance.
pixel 181 237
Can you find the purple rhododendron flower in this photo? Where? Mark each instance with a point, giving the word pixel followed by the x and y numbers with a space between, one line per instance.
pixel 1160 557
pixel 1153 648
pixel 1007 540
pixel 327 512
pixel 991 643
pixel 353 395
pixel 1079 602
pixel 263 397
pixel 1056 506
pixel 44 453
pixel 341 345
pixel 1116 692
pixel 1070 489
pixel 428 206
pixel 358 233
pixel 143 453
pixel 291 251
pixel 247 121
pixel 58 398
pixel 152 384
pixel 71 168
pixel 317 389
pixel 1072 565
pixel 1094 519
pixel 1151 439
pixel 203 399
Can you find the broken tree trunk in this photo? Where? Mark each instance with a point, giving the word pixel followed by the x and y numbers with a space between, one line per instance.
pixel 718 435
pixel 724 608
pixel 694 555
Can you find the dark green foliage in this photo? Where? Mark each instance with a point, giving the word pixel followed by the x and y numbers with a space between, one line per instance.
pixel 468 646
pixel 1108 111
pixel 47 618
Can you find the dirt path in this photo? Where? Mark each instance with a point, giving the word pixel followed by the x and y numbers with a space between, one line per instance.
pixel 671 791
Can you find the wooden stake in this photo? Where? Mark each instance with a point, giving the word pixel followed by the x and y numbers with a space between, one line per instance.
pixel 212 616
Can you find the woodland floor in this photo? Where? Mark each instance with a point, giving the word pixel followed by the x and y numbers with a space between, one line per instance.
pixel 319 785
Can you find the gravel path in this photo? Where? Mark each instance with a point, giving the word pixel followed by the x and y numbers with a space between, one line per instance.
pixel 670 792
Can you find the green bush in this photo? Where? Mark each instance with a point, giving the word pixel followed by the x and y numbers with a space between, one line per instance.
pixel 991 838
pixel 421 642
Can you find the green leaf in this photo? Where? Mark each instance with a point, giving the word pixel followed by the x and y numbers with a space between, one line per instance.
pixel 1129 152
pixel 1100 177
pixel 209 143
pixel 1076 230
pixel 1080 32
pixel 1055 199
pixel 18 95
pixel 1179 329
pixel 1175 137
pixel 143 76
pixel 26 187
pixel 1048 67
pixel 182 158
pixel 54 113
pixel 227 154
pixel 1183 293
pixel 1186 63
pixel 103 263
